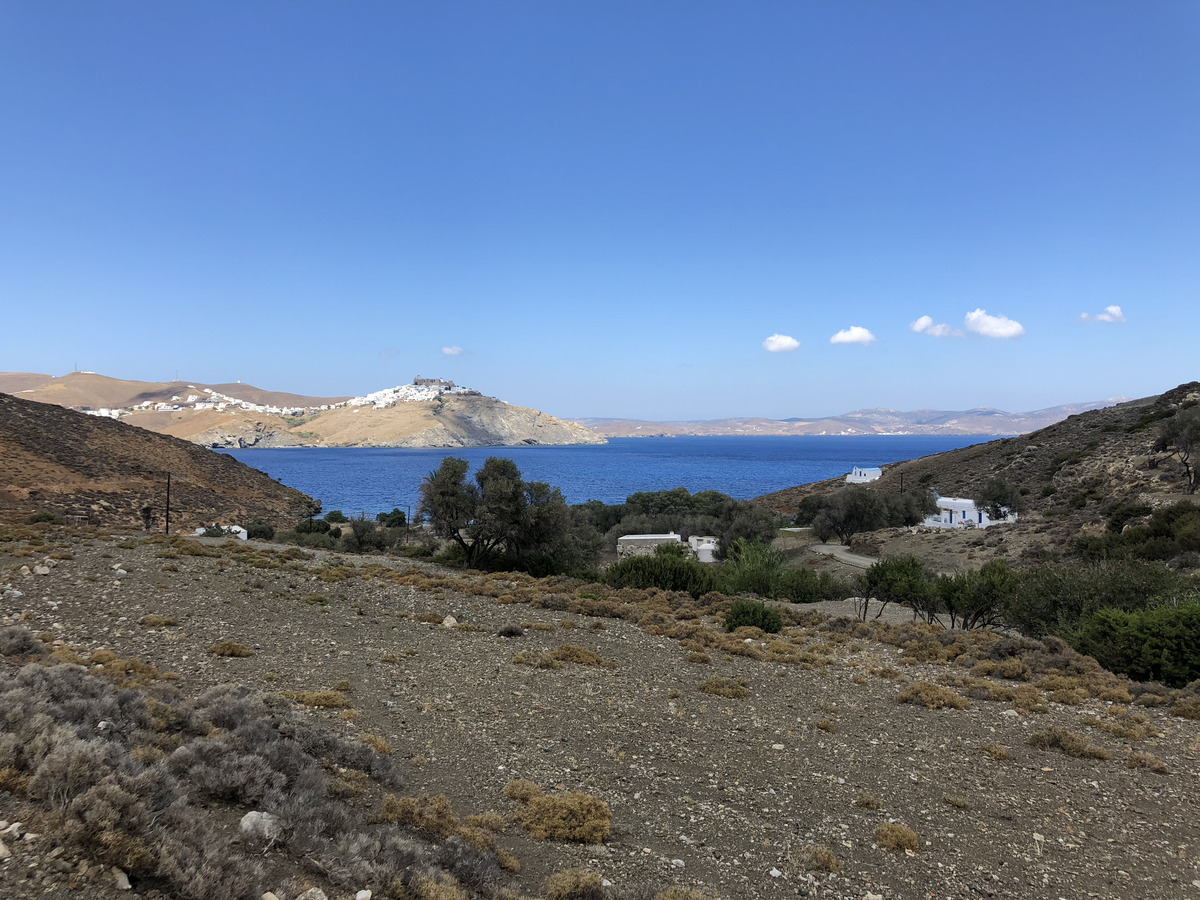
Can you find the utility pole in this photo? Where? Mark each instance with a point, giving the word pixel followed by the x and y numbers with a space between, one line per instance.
pixel 168 503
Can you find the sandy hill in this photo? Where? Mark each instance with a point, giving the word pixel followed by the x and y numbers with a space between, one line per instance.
pixel 1070 472
pixel 65 462
pixel 87 390
pixel 453 420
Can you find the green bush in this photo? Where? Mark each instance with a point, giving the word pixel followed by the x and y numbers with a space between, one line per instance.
pixel 1156 644
pixel 664 572
pixel 336 516
pixel 312 526
pixel 394 519
pixel 47 517
pixel 259 530
pixel 744 611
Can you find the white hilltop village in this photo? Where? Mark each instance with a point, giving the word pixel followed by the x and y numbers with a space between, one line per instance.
pixel 422 390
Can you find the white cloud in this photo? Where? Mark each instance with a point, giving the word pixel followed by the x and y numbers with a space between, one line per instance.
pixel 452 351
pixel 993 326
pixel 1110 314
pixel 855 334
pixel 925 325
pixel 780 343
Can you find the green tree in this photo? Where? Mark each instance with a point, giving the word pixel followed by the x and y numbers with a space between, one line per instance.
pixel 849 511
pixel 1180 436
pixel 900 579
pixel 499 514
pixel 999 498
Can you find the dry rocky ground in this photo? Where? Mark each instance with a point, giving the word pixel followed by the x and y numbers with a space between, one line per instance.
pixel 777 793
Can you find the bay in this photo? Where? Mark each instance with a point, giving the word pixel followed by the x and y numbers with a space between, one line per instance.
pixel 375 479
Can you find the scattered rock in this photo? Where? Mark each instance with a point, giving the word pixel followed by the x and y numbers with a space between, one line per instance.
pixel 41 570
pixel 449 622
pixel 5 853
pixel 363 895
pixel 313 894
pixel 120 880
pixel 261 826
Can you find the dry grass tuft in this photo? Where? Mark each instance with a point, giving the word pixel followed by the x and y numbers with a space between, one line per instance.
pixel 1055 738
pixel 573 884
pixel 573 816
pixel 996 751
pixel 522 790
pixel 573 653
pixel 537 660
pixel 958 801
pixel 730 688
pixel 697 658
pixel 378 744
pixel 895 837
pixel 933 696
pixel 866 801
pixel 812 858
pixel 1147 761
pixel 230 648
pixel 155 621
pixel 321 699
pixel 826 725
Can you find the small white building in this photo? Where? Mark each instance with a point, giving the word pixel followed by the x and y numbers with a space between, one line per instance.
pixel 959 512
pixel 704 547
pixel 861 475
pixel 644 544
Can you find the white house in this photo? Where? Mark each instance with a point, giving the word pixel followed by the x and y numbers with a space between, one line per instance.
pixel 644 544
pixel 861 475
pixel 704 548
pixel 959 512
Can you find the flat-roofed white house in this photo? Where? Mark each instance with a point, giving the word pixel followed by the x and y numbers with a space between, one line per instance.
pixel 644 544
pixel 861 474
pixel 960 512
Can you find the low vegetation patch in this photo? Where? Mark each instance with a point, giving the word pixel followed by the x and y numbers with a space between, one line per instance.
pixel 230 648
pixel 896 837
pixel 1055 738
pixel 572 816
pixel 933 696
pixel 319 699
pixel 721 686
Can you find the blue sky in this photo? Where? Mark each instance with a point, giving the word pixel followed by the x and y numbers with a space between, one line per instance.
pixel 608 208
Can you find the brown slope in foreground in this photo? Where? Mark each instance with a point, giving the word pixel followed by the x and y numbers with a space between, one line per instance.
pixel 60 461
pixel 1070 472
pixel 729 761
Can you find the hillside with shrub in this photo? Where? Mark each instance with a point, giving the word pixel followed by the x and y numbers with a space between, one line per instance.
pixel 59 462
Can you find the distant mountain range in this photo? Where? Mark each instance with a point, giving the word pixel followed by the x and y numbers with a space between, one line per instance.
pixel 981 420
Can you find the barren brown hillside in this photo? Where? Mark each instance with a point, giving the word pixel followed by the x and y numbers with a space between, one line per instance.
pixel 1070 473
pixel 68 463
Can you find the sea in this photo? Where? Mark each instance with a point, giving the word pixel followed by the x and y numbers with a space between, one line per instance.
pixel 370 480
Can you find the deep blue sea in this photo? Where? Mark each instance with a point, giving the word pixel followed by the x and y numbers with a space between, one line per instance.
pixel 376 479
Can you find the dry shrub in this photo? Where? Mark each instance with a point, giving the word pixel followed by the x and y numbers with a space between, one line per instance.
pixel 573 816
pixel 230 648
pixel 674 892
pixel 1147 761
pixel 431 618
pixel 507 861
pixel 730 688
pixel 573 884
pixel 573 653
pixel 443 887
pixel 958 801
pixel 522 790
pixel 996 751
pixel 812 858
pixel 933 696
pixel 155 621
pixel 488 821
pixel 1012 668
pixel 378 744
pixel 697 658
pixel 1186 708
pixel 826 725
pixel 866 801
pixel 1122 724
pixel 537 660
pixel 895 837
pixel 321 699
pixel 1055 738
pixel 890 673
